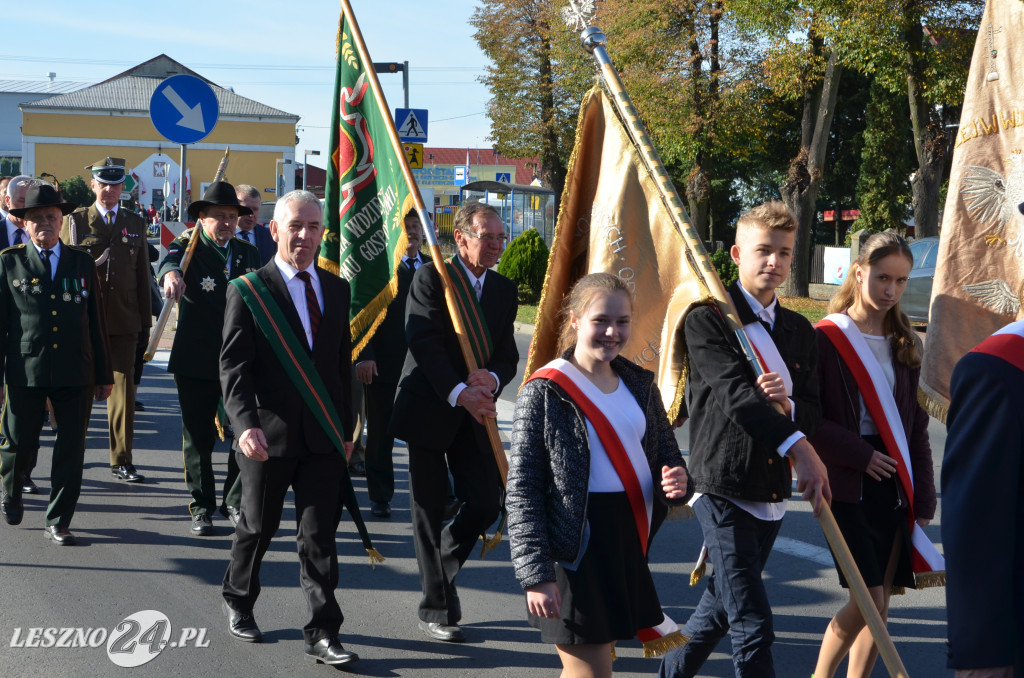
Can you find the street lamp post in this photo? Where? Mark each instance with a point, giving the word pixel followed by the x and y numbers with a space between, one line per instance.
pixel 304 155
pixel 278 177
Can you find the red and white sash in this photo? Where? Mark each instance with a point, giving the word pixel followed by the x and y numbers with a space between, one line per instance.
pixel 1006 343
pixel 657 639
pixel 881 404
pixel 768 353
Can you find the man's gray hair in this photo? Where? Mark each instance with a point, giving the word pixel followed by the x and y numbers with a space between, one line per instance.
pixel 247 190
pixel 299 196
pixel 22 180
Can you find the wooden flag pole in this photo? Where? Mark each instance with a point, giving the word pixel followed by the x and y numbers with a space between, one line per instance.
pixel 490 424
pixel 594 42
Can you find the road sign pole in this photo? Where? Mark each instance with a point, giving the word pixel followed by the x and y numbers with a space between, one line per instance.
pixel 181 183
pixel 405 83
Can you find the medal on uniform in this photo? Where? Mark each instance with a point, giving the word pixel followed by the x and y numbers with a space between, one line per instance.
pixel 36 289
pixel 85 292
pixel 16 283
pixel 78 299
pixel 67 294
pixel 124 239
pixel 208 284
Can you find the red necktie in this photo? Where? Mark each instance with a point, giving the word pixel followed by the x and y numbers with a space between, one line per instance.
pixel 311 303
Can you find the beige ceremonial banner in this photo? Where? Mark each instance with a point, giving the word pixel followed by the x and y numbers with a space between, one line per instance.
pixel 977 286
pixel 612 219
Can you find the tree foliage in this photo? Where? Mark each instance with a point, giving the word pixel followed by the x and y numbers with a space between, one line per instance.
pixel 76 190
pixel 883 185
pixel 525 262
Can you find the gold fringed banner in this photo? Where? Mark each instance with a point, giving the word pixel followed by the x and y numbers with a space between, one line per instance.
pixel 612 219
pixel 978 276
pixel 660 646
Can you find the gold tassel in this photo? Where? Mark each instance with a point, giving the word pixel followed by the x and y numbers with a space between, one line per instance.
pixel 932 405
pixel 375 557
pixel 220 428
pixel 659 646
pixel 683 512
pixel 614 656
pixel 926 580
pixel 697 574
pixel 897 591
pixel 489 543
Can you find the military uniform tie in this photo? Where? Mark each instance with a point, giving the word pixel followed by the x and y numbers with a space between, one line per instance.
pixel 45 254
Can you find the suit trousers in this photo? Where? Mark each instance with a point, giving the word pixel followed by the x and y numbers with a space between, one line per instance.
pixel 735 601
pixel 198 399
pixel 315 478
pixel 441 551
pixel 121 403
pixel 380 467
pixel 22 422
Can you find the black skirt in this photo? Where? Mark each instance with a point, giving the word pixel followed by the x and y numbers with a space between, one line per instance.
pixel 610 595
pixel 871 526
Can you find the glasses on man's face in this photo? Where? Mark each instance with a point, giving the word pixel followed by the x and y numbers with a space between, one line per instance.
pixel 488 238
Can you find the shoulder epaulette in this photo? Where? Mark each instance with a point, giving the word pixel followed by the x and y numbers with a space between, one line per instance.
pixel 77 248
pixel 13 248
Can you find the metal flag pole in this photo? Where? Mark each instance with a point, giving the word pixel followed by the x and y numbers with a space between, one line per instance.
pixel 165 313
pixel 578 16
pixel 490 424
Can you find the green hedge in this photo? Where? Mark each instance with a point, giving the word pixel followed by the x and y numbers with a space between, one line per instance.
pixel 525 262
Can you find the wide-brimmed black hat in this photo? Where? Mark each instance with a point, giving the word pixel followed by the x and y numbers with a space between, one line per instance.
pixel 108 171
pixel 43 196
pixel 219 194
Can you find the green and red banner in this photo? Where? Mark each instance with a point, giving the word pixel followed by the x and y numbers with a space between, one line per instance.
pixel 367 194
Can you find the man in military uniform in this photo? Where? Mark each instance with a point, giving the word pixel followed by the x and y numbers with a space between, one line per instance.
pixel 116 239
pixel 195 356
pixel 53 344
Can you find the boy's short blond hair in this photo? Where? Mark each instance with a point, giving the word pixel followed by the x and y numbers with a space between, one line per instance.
pixel 771 216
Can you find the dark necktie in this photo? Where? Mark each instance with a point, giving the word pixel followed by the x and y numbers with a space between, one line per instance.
pixel 311 303
pixel 45 254
pixel 411 263
pixel 19 236
pixel 247 235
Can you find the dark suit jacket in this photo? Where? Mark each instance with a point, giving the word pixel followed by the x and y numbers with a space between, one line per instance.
pixel 983 514
pixel 47 341
pixel 734 430
pixel 388 345
pixel 196 349
pixel 257 390
pixel 124 277
pixel 838 441
pixel 4 240
pixel 434 364
pixel 264 243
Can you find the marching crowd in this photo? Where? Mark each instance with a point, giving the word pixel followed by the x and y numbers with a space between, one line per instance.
pixel 262 347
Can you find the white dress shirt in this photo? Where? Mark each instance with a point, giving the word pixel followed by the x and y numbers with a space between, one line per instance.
pixel 453 397
pixel 297 290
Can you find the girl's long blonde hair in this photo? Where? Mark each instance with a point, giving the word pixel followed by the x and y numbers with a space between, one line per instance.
pixel 906 346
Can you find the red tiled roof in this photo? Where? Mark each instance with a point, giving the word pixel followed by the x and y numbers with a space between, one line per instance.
pixel 480 156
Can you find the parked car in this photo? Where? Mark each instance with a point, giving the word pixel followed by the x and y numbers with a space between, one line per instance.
pixel 918 294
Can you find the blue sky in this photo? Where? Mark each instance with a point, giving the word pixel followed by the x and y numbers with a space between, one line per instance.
pixel 279 53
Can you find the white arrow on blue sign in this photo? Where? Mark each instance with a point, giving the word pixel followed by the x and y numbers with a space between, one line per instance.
pixel 184 109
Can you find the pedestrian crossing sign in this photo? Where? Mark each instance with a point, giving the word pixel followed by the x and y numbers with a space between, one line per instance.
pixel 412 124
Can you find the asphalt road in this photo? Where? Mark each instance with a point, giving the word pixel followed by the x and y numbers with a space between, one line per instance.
pixel 135 553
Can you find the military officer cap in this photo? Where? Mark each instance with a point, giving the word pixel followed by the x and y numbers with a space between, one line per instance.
pixel 108 171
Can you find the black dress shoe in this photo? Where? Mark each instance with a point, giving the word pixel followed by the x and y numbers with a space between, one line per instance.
pixel 59 535
pixel 27 486
pixel 329 651
pixel 202 526
pixel 242 625
pixel 449 633
pixel 11 508
pixel 127 473
pixel 231 513
pixel 381 509
pixel 139 407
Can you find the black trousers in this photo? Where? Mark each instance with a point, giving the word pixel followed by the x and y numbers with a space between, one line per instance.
pixel 441 551
pixel 380 467
pixel 198 399
pixel 315 479
pixel 22 422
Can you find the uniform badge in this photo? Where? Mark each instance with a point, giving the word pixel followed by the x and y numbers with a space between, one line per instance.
pixel 78 299
pixel 36 289
pixel 85 294
pixel 124 239
pixel 16 282
pixel 208 284
pixel 67 296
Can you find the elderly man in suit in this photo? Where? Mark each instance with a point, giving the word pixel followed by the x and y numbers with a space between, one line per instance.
pixel 285 371
pixel 116 239
pixel 378 367
pixel 249 228
pixel 53 344
pixel 441 405
pixel 217 258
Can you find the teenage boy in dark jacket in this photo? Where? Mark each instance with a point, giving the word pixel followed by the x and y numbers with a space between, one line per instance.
pixel 738 441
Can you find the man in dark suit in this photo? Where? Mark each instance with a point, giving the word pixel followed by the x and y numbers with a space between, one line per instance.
pixel 378 367
pixel 249 228
pixel 218 257
pixel 440 408
pixel 739 441
pixel 116 239
pixel 53 344
pixel 282 443
pixel 983 509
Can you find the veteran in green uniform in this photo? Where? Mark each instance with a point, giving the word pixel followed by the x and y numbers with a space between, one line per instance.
pixel 53 344
pixel 116 239
pixel 195 355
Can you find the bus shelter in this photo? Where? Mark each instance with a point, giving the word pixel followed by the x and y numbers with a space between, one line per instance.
pixel 521 207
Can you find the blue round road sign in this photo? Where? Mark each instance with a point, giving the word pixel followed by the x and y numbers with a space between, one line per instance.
pixel 184 109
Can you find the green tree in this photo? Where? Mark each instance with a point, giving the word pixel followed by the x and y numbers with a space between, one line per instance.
pixel 526 262
pixel 76 190
pixel 883 183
